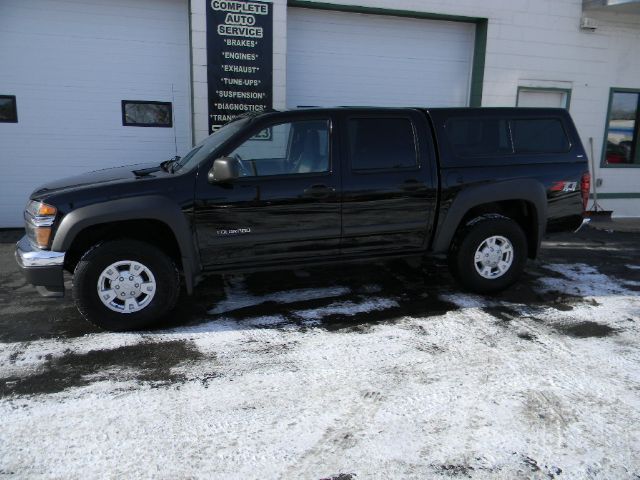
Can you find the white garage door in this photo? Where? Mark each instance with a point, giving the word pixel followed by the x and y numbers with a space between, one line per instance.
pixel 69 65
pixel 337 58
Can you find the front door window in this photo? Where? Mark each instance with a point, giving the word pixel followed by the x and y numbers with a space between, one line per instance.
pixel 286 149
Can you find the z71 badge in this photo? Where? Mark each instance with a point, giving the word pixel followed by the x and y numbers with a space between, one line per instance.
pixel 564 187
pixel 233 231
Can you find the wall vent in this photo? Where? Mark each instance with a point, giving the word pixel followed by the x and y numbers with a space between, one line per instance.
pixel 588 23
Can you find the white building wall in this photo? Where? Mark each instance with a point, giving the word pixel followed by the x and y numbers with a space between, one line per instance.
pixel 529 43
pixel 70 64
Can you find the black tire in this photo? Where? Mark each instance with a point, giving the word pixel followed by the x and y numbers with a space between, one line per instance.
pixel 97 259
pixel 462 255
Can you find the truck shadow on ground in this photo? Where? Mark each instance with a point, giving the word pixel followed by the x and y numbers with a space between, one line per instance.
pixel 337 298
pixel 352 297
pixel 361 298
pixel 408 288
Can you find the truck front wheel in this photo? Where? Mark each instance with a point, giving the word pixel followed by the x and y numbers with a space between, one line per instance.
pixel 488 254
pixel 125 285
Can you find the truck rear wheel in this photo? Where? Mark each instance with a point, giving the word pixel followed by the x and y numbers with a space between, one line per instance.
pixel 488 254
pixel 125 285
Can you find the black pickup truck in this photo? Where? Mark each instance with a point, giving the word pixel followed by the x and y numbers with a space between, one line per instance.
pixel 284 189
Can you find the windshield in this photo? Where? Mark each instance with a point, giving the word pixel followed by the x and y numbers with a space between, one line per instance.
pixel 208 145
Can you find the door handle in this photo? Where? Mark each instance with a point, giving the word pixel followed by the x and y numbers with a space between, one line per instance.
pixel 412 186
pixel 319 191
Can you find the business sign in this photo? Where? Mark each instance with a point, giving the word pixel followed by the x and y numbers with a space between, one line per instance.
pixel 239 58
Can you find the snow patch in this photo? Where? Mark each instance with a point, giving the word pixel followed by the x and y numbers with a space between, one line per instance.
pixel 238 297
pixel 582 280
pixel 346 308
pixel 465 300
pixel 583 246
pixel 266 321
pixel 20 355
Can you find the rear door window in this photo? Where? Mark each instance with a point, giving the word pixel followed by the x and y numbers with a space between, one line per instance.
pixel 479 136
pixel 381 143
pixel 539 135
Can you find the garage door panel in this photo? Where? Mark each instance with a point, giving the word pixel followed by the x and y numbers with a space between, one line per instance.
pixel 428 44
pixel 70 64
pixel 121 63
pixel 337 58
pixel 95 18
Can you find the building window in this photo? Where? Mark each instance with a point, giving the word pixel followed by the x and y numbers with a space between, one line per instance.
pixel 140 113
pixel 543 97
pixel 8 109
pixel 621 136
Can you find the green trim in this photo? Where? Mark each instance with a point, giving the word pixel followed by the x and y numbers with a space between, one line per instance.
pixel 191 93
pixel 546 89
pixel 603 163
pixel 381 11
pixel 621 165
pixel 479 47
pixel 477 69
pixel 612 196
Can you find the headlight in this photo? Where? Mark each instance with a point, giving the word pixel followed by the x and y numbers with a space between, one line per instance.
pixel 39 218
pixel 39 209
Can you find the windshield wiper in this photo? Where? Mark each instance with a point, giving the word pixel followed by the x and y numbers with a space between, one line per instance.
pixel 169 165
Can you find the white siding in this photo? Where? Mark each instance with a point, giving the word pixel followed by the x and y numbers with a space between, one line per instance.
pixel 337 58
pixel 70 64
pixel 538 43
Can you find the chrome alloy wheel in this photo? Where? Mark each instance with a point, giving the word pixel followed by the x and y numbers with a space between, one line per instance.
pixel 126 286
pixel 494 257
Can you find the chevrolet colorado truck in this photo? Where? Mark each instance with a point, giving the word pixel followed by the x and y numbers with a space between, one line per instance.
pixel 285 189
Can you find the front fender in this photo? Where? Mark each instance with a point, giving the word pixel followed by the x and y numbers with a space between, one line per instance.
pixel 528 190
pixel 149 207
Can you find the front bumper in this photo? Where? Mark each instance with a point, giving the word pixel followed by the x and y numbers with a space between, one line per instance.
pixel 42 268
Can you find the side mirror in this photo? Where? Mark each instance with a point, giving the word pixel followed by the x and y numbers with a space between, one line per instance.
pixel 225 169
